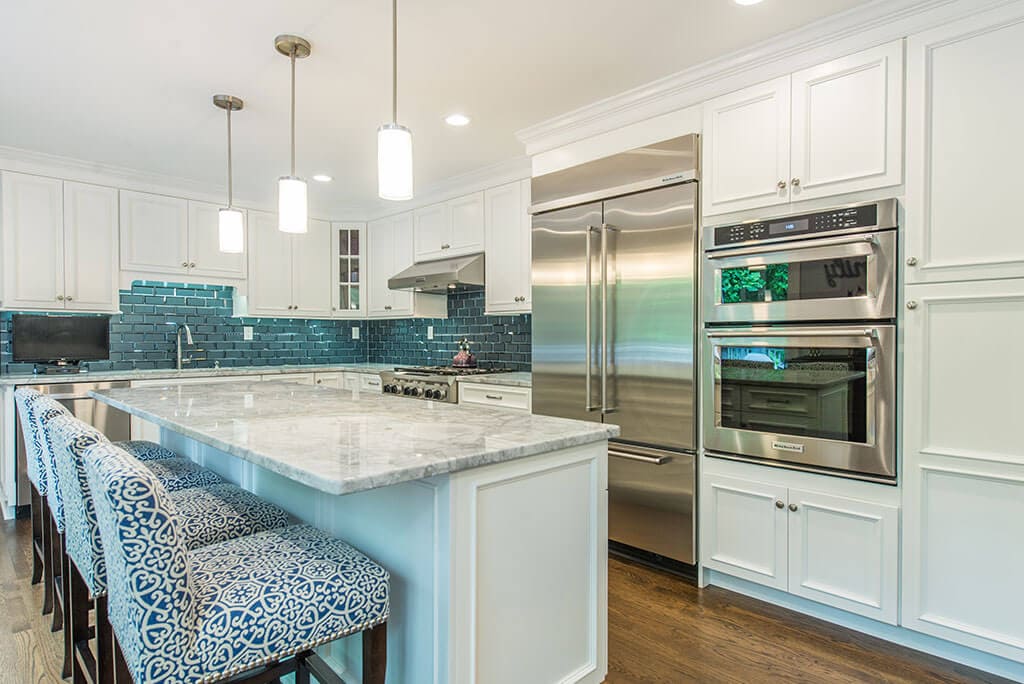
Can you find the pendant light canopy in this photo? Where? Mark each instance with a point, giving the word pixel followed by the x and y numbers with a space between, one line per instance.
pixel 231 223
pixel 394 142
pixel 292 204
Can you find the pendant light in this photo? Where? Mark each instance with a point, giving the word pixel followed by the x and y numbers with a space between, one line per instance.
pixel 394 142
pixel 292 204
pixel 231 230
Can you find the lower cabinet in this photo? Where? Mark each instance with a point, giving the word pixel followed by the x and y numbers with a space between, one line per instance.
pixel 501 396
pixel 836 550
pixel 368 382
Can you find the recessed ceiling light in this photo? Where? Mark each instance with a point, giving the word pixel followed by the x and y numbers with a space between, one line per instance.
pixel 745 3
pixel 456 120
pixel 322 178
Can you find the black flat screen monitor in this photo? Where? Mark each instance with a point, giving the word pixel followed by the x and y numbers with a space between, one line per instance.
pixel 47 339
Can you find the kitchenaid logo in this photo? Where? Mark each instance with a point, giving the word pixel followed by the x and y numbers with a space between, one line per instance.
pixel 669 179
pixel 788 446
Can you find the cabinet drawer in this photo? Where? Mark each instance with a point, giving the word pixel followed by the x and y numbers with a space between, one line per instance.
pixel 495 395
pixel 369 382
pixel 784 401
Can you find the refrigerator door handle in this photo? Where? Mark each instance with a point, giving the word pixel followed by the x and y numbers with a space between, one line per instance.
pixel 604 318
pixel 588 324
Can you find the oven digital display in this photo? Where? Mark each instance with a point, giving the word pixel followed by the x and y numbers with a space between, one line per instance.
pixel 788 227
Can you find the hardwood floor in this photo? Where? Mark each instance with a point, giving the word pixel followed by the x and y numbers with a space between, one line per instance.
pixel 662 630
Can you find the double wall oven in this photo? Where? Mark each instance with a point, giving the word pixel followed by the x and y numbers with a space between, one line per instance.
pixel 799 346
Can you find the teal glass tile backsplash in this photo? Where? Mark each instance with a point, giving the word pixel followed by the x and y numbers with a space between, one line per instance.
pixel 143 335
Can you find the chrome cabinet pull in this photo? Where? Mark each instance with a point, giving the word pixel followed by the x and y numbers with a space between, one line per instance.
pixel 495 397
pixel 780 504
pixel 446 246
pixel 653 460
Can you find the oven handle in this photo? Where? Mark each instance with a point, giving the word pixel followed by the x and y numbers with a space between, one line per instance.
pixel 725 252
pixel 835 332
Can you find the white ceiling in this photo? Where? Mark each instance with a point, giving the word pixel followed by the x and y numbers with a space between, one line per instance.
pixel 128 82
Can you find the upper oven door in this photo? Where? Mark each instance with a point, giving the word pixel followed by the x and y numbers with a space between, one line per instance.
pixel 850 277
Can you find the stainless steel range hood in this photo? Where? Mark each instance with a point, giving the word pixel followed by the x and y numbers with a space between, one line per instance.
pixel 458 274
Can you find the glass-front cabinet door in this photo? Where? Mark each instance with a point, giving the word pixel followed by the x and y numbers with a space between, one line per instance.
pixel 348 247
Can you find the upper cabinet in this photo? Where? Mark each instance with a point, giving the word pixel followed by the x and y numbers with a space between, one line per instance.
pixel 507 256
pixel 390 249
pixel 290 275
pixel 449 229
pixel 174 236
pixel 59 244
pixel 964 141
pixel 348 247
pixel 832 129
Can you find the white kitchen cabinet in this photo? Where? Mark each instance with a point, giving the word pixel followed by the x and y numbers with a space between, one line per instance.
pixel 296 378
pixel 745 530
pixel 390 250
pixel 348 247
pixel 964 143
pixel 508 248
pixel 497 396
pixel 33 242
pixel 90 248
pixel 154 233
pixel 828 130
pixel 963 468
pixel 746 148
pixel 449 229
pixel 332 380
pixel 838 550
pixel 289 275
pixel 59 245
pixel 205 257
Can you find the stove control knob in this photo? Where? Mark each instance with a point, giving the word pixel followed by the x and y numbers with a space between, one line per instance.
pixel 441 394
pixel 407 391
pixel 415 391
pixel 430 394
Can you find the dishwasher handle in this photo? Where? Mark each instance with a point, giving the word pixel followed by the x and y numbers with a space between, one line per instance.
pixel 653 460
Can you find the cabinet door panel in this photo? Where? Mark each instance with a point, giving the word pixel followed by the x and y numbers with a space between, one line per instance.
pixel 270 266
pixel 154 233
pixel 466 220
pixel 964 143
pixel 507 233
pixel 402 300
pixel 33 242
pixel 348 272
pixel 204 244
pixel 381 263
pixel 90 248
pixel 844 552
pixel 311 269
pixel 744 531
pixel 746 148
pixel 848 123
pixel 432 232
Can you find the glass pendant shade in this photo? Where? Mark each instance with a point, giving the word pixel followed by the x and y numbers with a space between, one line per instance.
pixel 231 231
pixel 394 162
pixel 292 210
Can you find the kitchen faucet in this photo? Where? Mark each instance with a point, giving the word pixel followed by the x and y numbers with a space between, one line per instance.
pixel 188 340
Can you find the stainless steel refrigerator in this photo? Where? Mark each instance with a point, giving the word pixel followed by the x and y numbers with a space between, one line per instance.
pixel 613 328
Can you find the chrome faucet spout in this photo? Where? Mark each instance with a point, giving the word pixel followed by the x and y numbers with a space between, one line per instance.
pixel 188 340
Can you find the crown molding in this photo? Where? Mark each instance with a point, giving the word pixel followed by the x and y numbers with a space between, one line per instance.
pixel 479 179
pixel 82 171
pixel 841 34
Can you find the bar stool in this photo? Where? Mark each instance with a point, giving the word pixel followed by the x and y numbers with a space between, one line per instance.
pixel 37 478
pixel 257 605
pixel 206 515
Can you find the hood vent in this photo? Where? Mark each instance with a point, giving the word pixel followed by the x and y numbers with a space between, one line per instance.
pixel 444 276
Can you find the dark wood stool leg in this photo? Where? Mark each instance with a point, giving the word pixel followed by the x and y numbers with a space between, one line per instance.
pixel 375 654
pixel 56 569
pixel 104 644
pixel 121 673
pixel 76 626
pixel 37 537
pixel 301 670
pixel 64 609
pixel 48 574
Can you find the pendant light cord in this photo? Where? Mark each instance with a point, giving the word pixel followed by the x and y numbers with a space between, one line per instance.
pixel 394 61
pixel 293 110
pixel 230 107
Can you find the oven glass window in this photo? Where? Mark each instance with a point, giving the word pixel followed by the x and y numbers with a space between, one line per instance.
pixel 821 279
pixel 806 391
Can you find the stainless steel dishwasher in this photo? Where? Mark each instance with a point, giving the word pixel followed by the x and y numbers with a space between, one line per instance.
pixel 115 424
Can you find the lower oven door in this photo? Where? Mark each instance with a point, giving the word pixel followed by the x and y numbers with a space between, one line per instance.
pixel 819 398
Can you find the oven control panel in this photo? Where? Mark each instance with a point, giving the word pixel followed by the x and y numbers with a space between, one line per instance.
pixel 864 216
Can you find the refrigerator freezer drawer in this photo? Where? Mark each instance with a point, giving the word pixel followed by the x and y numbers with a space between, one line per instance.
pixel 651 497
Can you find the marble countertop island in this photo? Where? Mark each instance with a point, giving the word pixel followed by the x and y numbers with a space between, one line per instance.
pixel 186 373
pixel 340 441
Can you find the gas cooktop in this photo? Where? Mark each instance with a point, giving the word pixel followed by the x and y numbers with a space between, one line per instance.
pixel 436 383
pixel 450 370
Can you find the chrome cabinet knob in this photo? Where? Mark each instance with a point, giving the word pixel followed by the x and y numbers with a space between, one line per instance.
pixel 192 264
pixel 781 185
pixel 779 504
pixel 912 304
pixel 184 264
pixel 911 261
pixel 793 507
pixel 60 298
pixel 67 299
pixel 446 246
pixel 795 182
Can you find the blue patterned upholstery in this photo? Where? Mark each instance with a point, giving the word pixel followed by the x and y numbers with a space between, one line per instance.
pixel 35 465
pixel 206 515
pixel 40 410
pixel 145 450
pixel 202 616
